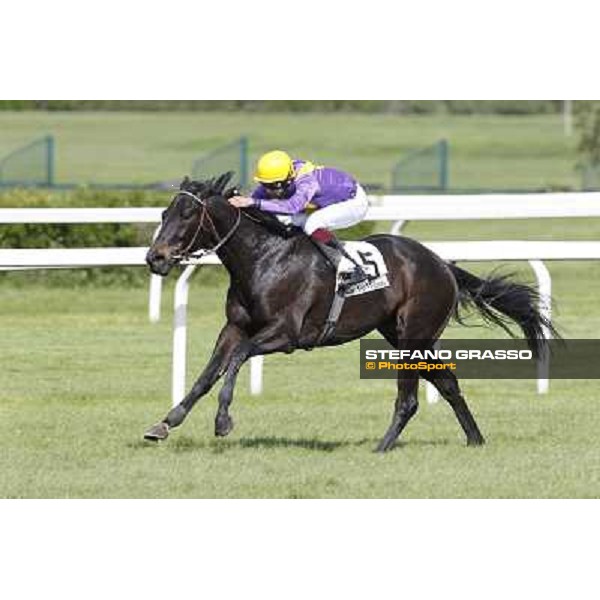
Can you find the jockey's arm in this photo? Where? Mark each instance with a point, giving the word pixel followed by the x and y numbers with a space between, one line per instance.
pixel 306 189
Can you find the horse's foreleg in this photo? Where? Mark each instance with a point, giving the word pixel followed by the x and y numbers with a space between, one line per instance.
pixel 229 339
pixel 405 408
pixel 447 385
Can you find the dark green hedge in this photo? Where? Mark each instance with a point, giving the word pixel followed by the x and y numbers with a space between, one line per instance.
pixel 80 197
pixel 508 107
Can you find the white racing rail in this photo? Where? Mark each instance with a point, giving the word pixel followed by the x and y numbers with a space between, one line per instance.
pixel 384 208
pixel 398 209
pixel 483 206
pixel 94 216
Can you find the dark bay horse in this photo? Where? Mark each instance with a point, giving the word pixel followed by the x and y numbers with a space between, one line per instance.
pixel 280 293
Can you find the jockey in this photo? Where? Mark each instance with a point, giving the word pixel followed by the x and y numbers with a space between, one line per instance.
pixel 293 187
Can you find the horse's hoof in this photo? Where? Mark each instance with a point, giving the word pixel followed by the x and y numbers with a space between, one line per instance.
pixel 223 426
pixel 478 441
pixel 157 432
pixel 385 446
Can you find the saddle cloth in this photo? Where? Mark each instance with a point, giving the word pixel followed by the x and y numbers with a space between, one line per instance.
pixel 371 260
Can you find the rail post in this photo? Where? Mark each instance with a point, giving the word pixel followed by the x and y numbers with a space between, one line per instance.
pixel 180 335
pixel 155 292
pixel 544 281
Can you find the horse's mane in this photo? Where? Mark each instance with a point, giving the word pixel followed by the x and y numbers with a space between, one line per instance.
pixel 210 187
pixel 270 222
pixel 217 187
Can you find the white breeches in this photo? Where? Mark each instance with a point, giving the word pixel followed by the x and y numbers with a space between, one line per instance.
pixel 335 216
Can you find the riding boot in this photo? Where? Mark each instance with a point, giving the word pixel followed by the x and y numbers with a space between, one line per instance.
pixel 358 275
pixel 333 250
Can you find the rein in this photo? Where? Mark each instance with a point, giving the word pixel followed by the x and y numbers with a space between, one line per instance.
pixel 185 253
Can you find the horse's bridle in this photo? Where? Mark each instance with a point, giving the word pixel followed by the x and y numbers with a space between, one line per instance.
pixel 185 254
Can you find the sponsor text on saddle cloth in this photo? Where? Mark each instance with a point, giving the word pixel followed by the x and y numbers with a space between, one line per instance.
pixel 371 261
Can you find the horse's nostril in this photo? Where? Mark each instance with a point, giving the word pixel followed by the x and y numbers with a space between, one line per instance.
pixel 158 261
pixel 158 253
pixel 155 256
pixel 155 262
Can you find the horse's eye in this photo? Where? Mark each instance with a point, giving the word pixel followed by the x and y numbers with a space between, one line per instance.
pixel 164 214
pixel 188 212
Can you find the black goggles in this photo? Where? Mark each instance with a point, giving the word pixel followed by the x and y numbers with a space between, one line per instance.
pixel 276 186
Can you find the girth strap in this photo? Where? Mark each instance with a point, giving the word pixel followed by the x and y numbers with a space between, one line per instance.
pixel 332 318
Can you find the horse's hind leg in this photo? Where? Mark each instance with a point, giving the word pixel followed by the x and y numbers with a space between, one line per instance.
pixel 264 342
pixel 447 385
pixel 405 408
pixel 223 420
pixel 406 402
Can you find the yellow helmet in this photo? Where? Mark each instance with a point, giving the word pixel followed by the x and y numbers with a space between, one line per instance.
pixel 274 166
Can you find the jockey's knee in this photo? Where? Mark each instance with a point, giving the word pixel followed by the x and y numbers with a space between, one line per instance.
pixel 321 235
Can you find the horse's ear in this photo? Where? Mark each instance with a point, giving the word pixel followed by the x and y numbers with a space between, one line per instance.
pixel 185 183
pixel 209 186
pixel 221 181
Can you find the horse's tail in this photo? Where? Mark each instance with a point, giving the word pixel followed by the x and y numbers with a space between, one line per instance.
pixel 500 300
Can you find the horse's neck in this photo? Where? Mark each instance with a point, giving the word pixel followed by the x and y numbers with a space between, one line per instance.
pixel 245 251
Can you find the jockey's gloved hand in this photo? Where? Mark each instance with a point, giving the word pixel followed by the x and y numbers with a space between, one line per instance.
pixel 231 192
